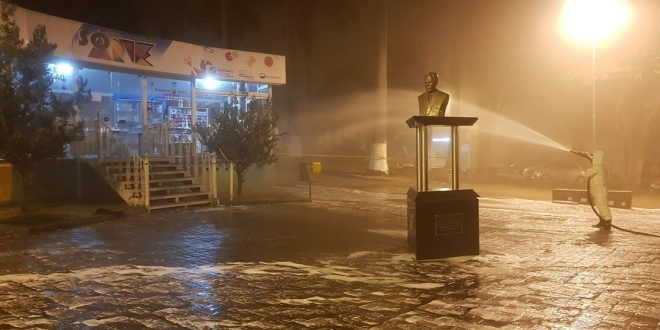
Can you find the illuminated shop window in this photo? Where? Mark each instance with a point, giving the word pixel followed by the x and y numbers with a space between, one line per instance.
pixel 116 101
pixel 167 97
pixel 212 84
pixel 63 78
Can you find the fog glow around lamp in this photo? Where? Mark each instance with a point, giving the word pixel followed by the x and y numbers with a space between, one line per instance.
pixel 210 83
pixel 593 21
pixel 64 69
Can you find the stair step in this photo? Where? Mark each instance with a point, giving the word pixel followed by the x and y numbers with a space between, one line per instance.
pixel 169 175
pixel 152 166
pixel 170 180
pixel 154 176
pixel 166 172
pixel 164 165
pixel 124 165
pixel 170 188
pixel 159 197
pixel 160 184
pixel 175 205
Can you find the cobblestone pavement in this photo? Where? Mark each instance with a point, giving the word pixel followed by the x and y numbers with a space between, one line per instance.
pixel 338 262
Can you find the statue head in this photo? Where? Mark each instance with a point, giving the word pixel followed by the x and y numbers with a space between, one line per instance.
pixel 430 81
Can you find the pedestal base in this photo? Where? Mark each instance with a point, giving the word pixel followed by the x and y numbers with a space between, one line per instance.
pixel 443 224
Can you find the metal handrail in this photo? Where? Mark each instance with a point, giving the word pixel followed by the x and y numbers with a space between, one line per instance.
pixel 130 149
pixel 137 168
pixel 108 146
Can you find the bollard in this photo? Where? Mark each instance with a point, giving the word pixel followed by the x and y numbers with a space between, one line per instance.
pixel 310 171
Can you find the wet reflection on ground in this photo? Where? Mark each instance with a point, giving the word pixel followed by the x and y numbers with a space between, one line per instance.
pixel 341 261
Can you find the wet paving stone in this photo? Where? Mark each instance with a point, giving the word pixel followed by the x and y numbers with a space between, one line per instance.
pixel 338 262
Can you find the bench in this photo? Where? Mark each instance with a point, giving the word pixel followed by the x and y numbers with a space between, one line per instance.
pixel 617 198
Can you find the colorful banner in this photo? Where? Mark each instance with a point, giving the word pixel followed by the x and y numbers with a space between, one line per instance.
pixel 89 43
pixel 95 42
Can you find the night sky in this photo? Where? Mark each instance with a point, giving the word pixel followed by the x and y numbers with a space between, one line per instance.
pixel 194 21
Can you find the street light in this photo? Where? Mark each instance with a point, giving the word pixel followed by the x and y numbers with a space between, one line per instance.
pixel 593 21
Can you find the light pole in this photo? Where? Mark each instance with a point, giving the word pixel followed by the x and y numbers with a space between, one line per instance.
pixel 593 21
pixel 593 95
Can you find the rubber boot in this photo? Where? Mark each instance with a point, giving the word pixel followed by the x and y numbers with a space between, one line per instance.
pixel 603 224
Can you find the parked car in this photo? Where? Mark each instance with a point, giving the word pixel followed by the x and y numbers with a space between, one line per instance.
pixel 655 185
pixel 556 172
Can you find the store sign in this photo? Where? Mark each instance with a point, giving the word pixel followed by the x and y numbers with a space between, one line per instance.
pixel 112 46
pixel 238 65
pixel 171 92
pixel 95 44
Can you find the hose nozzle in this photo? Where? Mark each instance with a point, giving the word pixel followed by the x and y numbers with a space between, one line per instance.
pixel 583 154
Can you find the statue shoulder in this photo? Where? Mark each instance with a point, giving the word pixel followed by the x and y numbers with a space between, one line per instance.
pixel 423 95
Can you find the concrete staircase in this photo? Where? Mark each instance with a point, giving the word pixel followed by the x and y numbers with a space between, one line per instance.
pixel 173 174
pixel 170 185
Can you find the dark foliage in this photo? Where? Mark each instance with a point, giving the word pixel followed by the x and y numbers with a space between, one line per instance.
pixel 34 123
pixel 243 137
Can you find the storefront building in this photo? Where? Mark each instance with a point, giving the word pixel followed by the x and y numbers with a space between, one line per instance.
pixel 148 97
pixel 140 82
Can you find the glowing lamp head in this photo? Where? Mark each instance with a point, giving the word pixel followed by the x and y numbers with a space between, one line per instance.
pixel 591 21
pixel 64 69
pixel 210 82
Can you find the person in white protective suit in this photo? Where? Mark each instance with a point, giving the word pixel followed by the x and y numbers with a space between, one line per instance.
pixel 598 189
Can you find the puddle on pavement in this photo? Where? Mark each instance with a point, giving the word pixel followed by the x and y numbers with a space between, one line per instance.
pixel 600 237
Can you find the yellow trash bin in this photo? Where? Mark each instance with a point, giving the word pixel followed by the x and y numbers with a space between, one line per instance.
pixel 316 167
pixel 310 171
pixel 5 182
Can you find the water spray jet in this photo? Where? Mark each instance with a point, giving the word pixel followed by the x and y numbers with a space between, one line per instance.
pixel 499 125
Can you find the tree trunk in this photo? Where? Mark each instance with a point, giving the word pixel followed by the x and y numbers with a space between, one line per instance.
pixel 27 191
pixel 378 152
pixel 239 180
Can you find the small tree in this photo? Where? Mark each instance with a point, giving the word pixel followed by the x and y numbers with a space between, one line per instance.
pixel 245 137
pixel 34 124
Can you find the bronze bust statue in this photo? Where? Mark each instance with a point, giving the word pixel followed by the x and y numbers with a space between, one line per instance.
pixel 433 102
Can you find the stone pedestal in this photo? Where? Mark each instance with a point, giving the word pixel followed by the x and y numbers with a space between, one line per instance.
pixel 443 224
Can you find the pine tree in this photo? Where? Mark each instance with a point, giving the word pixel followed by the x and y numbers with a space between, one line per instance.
pixel 34 123
pixel 245 137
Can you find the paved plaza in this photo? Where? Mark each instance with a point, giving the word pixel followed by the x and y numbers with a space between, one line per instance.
pixel 338 262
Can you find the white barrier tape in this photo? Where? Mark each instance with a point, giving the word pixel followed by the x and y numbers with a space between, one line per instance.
pixel 315 155
pixel 343 156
